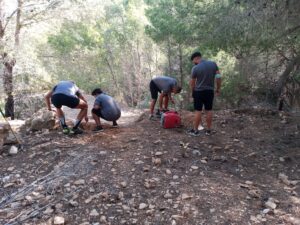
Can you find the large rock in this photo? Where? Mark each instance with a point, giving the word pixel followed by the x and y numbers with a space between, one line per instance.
pixel 27 104
pixel 15 125
pixel 43 119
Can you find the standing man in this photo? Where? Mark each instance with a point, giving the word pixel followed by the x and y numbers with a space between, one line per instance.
pixel 166 86
pixel 68 94
pixel 105 107
pixel 202 83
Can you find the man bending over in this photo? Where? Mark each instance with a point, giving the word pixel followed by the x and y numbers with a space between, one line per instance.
pixel 166 86
pixel 106 108
pixel 68 94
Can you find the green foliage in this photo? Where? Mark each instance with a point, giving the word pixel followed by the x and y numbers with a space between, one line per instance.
pixel 109 50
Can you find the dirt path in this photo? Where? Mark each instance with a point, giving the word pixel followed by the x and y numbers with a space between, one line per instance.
pixel 142 174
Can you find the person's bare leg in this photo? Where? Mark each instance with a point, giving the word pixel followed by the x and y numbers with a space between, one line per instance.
pixel 161 97
pixel 166 102
pixel 83 111
pixel 97 119
pixel 59 112
pixel 209 119
pixel 84 107
pixel 197 120
pixel 152 105
pixel 60 115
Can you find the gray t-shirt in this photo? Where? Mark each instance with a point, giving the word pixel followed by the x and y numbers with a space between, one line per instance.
pixel 66 87
pixel 164 83
pixel 110 110
pixel 205 73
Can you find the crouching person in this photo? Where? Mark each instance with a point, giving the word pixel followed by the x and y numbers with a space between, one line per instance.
pixel 105 107
pixel 68 94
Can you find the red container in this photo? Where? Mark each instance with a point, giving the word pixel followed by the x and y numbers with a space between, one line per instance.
pixel 170 119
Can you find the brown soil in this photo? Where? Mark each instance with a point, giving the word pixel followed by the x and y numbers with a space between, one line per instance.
pixel 226 178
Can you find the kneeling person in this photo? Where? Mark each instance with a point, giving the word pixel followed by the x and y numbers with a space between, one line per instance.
pixel 105 107
pixel 66 93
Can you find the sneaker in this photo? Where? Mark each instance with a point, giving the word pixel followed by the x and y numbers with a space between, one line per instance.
pixel 115 125
pixel 193 132
pixel 208 132
pixel 76 131
pixel 66 130
pixel 98 129
pixel 200 127
pixel 165 110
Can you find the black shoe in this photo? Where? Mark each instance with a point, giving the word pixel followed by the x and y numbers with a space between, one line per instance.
pixel 98 129
pixel 76 131
pixel 208 132
pixel 158 113
pixel 115 124
pixel 193 132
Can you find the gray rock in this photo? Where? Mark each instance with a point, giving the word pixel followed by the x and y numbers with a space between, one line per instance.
pixel 143 206
pixel 58 220
pixel 94 213
pixel 270 204
pixel 196 153
pixel 13 150
pixel 42 120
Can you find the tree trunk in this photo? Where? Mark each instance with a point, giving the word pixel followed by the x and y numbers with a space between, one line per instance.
pixel 285 75
pixel 9 65
pixel 169 58
pixel 18 24
pixel 181 69
pixel 114 77
pixel 8 86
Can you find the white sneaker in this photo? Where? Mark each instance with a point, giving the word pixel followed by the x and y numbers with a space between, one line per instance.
pixel 200 127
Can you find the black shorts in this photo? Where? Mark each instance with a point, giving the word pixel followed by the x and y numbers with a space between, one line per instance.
pixel 58 100
pixel 97 112
pixel 154 90
pixel 205 98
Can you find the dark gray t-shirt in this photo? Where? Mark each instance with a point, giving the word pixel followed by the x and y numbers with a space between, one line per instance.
pixel 205 73
pixel 164 83
pixel 109 108
pixel 66 87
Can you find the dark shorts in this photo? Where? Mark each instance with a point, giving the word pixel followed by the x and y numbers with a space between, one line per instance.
pixel 58 100
pixel 154 90
pixel 97 112
pixel 205 98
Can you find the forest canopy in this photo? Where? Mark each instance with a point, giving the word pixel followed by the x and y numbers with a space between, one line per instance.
pixel 120 45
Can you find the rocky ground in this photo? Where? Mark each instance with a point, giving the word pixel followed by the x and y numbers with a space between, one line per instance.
pixel 246 173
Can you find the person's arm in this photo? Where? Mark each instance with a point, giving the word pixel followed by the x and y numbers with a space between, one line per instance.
pixel 193 84
pixel 81 97
pixel 171 98
pixel 193 80
pixel 48 100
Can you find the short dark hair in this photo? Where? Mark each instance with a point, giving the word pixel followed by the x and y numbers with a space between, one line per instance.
pixel 195 54
pixel 97 91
